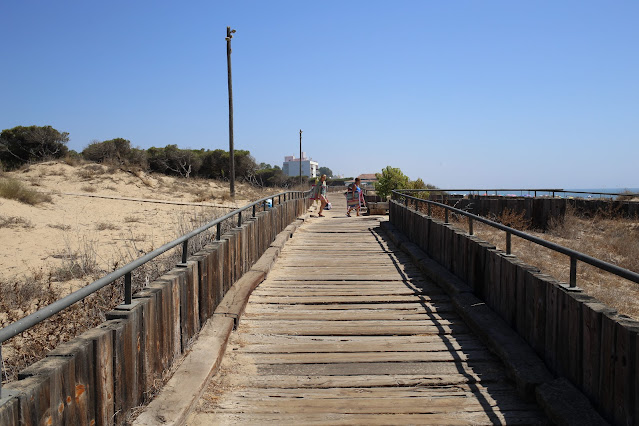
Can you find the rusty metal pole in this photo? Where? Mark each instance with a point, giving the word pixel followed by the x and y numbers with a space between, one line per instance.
pixel 229 36
pixel 300 157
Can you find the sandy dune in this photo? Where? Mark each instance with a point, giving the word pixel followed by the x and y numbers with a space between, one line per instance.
pixel 101 215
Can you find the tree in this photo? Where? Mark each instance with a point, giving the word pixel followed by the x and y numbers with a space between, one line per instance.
pixel 172 160
pixel 325 171
pixel 419 184
pixel 21 145
pixel 388 180
pixel 245 165
pixel 114 150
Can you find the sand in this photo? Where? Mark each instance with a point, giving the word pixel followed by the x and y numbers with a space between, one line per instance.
pixel 102 215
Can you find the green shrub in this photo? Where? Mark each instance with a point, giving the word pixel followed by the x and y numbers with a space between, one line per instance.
pixel 23 145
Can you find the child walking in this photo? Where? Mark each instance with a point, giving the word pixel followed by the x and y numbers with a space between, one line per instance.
pixel 355 197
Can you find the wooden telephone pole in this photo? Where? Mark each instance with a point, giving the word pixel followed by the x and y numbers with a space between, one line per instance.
pixel 300 156
pixel 229 36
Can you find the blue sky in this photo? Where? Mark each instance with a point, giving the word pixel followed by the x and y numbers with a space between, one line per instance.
pixel 477 94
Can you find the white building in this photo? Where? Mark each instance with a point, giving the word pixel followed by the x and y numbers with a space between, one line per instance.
pixel 291 166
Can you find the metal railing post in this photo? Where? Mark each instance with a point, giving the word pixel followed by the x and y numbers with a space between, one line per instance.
pixel 470 225
pixel 218 232
pixel 239 219
pixel 429 209
pixel 128 292
pixel 445 215
pixel 253 210
pixel 573 272
pixel 508 242
pixel 185 250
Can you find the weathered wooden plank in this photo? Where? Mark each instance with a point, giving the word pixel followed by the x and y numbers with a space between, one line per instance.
pixel 103 371
pixel 347 276
pixel 435 344
pixel 34 400
pixel 289 261
pixel 508 289
pixel 373 405
pixel 9 411
pixel 80 352
pixel 349 268
pixel 60 385
pixel 608 360
pixel 552 322
pixel 153 338
pixel 129 357
pixel 294 325
pixel 358 329
pixel 591 352
pixel 347 291
pixel 320 284
pixel 368 380
pixel 494 416
pixel 625 370
pixel 361 314
pixel 444 355
pixel 315 300
pixel 491 392
pixel 429 306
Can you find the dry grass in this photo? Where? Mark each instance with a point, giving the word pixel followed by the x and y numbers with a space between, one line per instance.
pixel 53 172
pixel 91 171
pixel 23 297
pixel 15 222
pixel 15 190
pixel 615 241
pixel 60 226
pixel 106 226
pixel 88 188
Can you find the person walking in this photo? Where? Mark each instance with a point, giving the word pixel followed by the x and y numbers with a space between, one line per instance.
pixel 320 194
pixel 355 197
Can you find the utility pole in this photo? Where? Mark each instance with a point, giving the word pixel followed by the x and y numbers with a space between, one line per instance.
pixel 300 157
pixel 229 36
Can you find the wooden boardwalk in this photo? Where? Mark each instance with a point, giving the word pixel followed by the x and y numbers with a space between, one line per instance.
pixel 345 330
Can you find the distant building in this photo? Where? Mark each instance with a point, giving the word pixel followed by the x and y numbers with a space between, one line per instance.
pixel 291 166
pixel 368 180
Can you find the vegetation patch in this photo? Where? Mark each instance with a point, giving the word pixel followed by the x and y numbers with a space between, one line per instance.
pixel 60 226
pixel 15 222
pixel 13 189
pixel 88 188
pixel 106 226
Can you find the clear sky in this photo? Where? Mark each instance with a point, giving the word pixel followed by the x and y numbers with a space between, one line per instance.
pixel 472 94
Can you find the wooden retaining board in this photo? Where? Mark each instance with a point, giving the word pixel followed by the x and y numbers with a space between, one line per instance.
pixel 345 331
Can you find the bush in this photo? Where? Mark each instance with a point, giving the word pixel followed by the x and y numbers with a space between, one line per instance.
pixel 388 180
pixel 15 190
pixel 22 145
pixel 115 151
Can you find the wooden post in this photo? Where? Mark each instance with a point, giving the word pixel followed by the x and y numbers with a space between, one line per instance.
pixel 229 36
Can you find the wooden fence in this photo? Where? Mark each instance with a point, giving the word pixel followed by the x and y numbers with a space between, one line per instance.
pixel 577 336
pixel 98 377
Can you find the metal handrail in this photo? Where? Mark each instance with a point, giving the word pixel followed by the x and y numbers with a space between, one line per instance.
pixel 496 192
pixel 48 311
pixel 573 254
